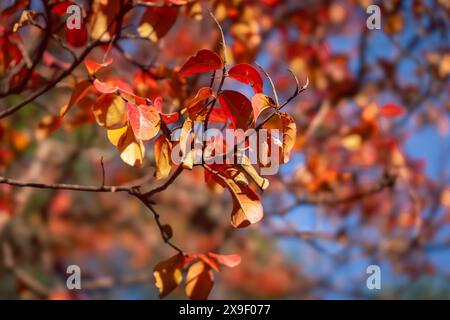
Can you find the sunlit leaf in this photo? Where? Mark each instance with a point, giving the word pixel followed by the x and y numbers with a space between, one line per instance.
pixel 144 120
pixel 132 151
pixel 168 274
pixel 162 157
pixel 199 281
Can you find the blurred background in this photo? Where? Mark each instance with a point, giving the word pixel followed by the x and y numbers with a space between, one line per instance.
pixel 360 189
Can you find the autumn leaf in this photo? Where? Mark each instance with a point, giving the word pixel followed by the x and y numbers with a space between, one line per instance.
pixel 110 111
pixel 79 91
pixel 168 274
pixel 93 67
pixel 247 74
pixel 156 22
pixel 144 120
pixel 132 151
pixel 202 94
pixel 288 129
pixel 162 157
pixel 104 87
pixel 247 208
pixel 246 166
pixel 391 110
pixel 199 281
pixel 77 37
pixel 260 103
pixel 204 61
pixel 237 108
pixel 231 260
pixel 209 261
pixel 114 135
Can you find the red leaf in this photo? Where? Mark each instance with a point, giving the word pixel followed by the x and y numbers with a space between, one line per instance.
pixel 391 110
pixel 209 261
pixel 238 108
pixel 231 260
pixel 77 37
pixel 247 74
pixel 168 118
pixel 144 120
pixel 204 61
pixel 60 9
pixel 161 19
pixel 104 87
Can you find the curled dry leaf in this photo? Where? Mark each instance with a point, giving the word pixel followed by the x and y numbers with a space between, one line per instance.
pixel 204 61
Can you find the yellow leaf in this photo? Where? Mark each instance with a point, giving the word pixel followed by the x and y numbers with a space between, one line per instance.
pixel 162 157
pixel 110 111
pixel 114 135
pixel 131 151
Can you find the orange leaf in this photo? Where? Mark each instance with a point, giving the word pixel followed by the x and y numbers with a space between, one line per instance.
pixel 104 87
pixel 231 260
pixel 284 122
pixel 202 94
pixel 93 67
pixel 247 208
pixel 144 120
pixel 204 61
pixel 199 281
pixel 79 91
pixel 209 261
pixel 261 102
